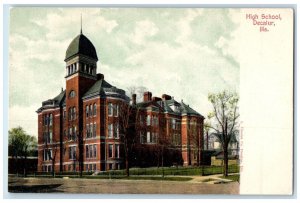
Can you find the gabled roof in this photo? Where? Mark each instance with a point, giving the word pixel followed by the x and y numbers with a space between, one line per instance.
pixel 103 88
pixel 59 99
pixel 97 88
pixel 179 108
pixel 55 102
pixel 186 109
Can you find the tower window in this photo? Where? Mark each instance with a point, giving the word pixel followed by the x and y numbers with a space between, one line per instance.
pixel 74 113
pixel 72 94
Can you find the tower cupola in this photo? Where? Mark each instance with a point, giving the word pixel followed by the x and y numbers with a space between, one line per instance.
pixel 81 56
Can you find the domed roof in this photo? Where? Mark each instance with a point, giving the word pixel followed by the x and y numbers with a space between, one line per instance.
pixel 81 45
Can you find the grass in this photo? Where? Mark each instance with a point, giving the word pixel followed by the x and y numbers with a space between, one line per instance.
pixel 141 178
pixel 153 171
pixel 182 171
pixel 235 177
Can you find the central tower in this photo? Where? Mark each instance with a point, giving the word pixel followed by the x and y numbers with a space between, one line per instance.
pixel 81 74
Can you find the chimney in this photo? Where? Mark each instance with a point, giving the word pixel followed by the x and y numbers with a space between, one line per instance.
pixel 134 99
pixel 156 99
pixel 147 96
pixel 100 76
pixel 166 97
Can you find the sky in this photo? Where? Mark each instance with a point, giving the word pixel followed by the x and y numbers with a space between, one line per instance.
pixel 184 52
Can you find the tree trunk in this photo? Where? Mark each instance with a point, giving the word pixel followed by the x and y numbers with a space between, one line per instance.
pixel 53 164
pixel 206 140
pixel 225 171
pixel 127 161
pixel 127 166
pixel 162 163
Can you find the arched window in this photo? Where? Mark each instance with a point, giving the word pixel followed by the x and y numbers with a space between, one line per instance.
pixel 74 113
pixel 72 94
pixel 70 113
pixel 95 109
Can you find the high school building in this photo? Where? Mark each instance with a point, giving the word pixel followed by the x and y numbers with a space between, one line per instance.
pixel 87 126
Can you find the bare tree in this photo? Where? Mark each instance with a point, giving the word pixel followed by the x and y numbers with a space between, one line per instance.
pixel 195 141
pixel 52 151
pixel 206 131
pixel 224 120
pixel 138 90
pixel 126 123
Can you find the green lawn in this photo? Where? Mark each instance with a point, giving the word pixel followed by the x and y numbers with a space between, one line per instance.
pixel 153 171
pixel 235 177
pixel 141 178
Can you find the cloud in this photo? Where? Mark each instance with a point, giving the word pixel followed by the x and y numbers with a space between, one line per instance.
pixel 186 53
pixel 143 29
pixel 24 117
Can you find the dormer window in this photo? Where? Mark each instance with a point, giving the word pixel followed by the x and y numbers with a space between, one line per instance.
pixel 72 94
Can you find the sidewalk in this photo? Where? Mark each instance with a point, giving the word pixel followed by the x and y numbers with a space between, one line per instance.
pixel 211 179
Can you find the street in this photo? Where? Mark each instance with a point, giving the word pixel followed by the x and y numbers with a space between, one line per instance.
pixel 107 186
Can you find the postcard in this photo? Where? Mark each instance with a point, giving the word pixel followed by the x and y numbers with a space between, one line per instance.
pixel 150 100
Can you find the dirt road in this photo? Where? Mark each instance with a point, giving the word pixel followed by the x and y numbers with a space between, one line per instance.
pixel 104 186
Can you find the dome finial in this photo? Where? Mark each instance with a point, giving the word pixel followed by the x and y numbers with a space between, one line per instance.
pixel 81 24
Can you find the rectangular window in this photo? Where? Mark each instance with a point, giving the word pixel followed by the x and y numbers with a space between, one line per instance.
pixel 148 137
pixel 50 137
pixel 46 119
pixel 117 151
pixel 91 151
pixel 148 120
pixel 110 109
pixel 142 137
pixel 110 166
pixel 87 111
pixel 94 130
pixel 116 130
pixel 91 111
pixel 74 132
pixel 49 168
pixel 51 120
pixel 87 155
pixel 95 109
pixel 91 130
pixel 47 154
pixel 141 120
pixel 87 128
pixel 110 150
pixel 70 133
pixel 110 130
pixel 95 151
pixel 116 110
pixel 173 124
pixel 72 152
